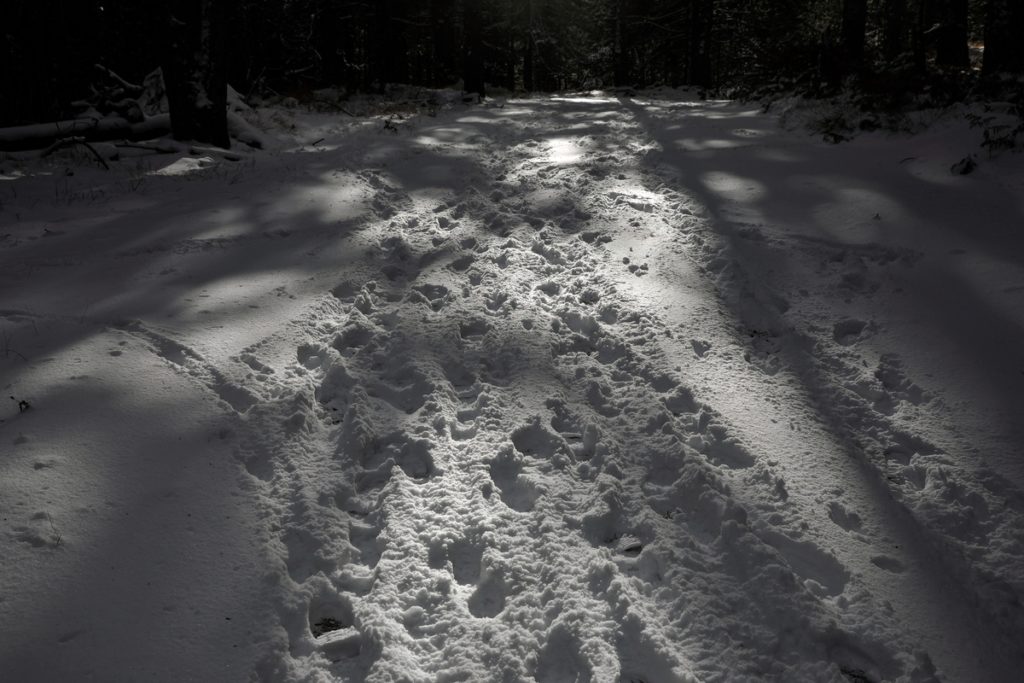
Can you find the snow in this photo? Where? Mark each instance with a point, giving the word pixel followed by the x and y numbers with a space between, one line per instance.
pixel 560 389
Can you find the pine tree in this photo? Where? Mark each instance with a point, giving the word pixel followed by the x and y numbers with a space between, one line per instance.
pixel 1004 27
pixel 194 68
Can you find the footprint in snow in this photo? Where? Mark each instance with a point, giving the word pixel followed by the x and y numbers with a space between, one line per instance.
pixel 823 574
pixel 894 380
pixel 495 299
pixel 353 336
pixel 537 441
pixel 726 452
pixel 406 390
pixel 466 557
pixel 365 538
pixel 700 347
pixel 889 564
pixel 562 659
pixel 462 263
pixel 476 327
pixel 331 623
pixel 488 600
pixel 611 530
pixel 517 492
pixel 413 455
pixel 843 518
pixel 849 331
pixel 640 660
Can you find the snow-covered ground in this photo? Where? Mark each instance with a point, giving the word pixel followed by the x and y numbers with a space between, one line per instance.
pixel 556 389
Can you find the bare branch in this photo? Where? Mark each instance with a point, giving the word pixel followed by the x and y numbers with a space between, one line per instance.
pixel 72 141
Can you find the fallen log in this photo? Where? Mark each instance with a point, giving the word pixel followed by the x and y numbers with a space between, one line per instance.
pixel 42 135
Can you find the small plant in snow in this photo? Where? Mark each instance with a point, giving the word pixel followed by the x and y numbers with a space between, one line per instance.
pixel 5 346
pixel 833 128
pixel 1002 126
pixel 56 535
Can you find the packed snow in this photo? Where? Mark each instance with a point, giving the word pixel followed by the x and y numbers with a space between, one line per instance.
pixel 581 388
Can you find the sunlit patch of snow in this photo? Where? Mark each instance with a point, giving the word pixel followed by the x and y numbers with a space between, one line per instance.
pixel 733 187
pixel 726 113
pixel 185 166
pixel 474 119
pixel 227 222
pixel 598 115
pixel 868 212
pixel 780 155
pixel 638 198
pixel 695 145
pixel 748 133
pixel 509 110
pixel 564 151
pixel 336 201
pixel 584 100
pixel 453 138
pixel 987 275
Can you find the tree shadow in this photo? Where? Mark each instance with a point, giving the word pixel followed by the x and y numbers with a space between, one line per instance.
pixel 135 528
pixel 744 187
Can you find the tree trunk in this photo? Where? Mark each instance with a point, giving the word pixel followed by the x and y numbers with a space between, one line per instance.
pixel 951 39
pixel 444 42
pixel 1004 27
pixel 330 40
pixel 510 62
pixel 918 39
pixel 855 16
pixel 391 48
pixel 545 77
pixel 195 70
pixel 528 80
pixel 698 61
pixel 473 48
pixel 620 51
pixel 47 50
pixel 894 32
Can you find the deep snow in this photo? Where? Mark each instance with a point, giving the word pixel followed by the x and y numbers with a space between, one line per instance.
pixel 577 388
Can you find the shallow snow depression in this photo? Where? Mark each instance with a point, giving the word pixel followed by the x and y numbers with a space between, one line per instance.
pixel 562 389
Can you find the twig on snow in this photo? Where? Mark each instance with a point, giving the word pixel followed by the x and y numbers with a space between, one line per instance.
pixel 132 88
pixel 159 149
pixel 5 348
pixel 70 142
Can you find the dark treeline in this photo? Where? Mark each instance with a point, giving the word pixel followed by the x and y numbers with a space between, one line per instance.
pixel 291 47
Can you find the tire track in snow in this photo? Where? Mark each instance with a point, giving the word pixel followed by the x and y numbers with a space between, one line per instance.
pixel 857 414
pixel 805 557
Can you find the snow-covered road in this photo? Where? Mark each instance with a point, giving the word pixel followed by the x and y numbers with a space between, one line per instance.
pixel 561 389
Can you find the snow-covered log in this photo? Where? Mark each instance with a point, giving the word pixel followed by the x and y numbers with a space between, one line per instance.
pixel 41 135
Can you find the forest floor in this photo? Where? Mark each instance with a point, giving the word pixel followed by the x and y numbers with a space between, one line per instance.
pixel 577 388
